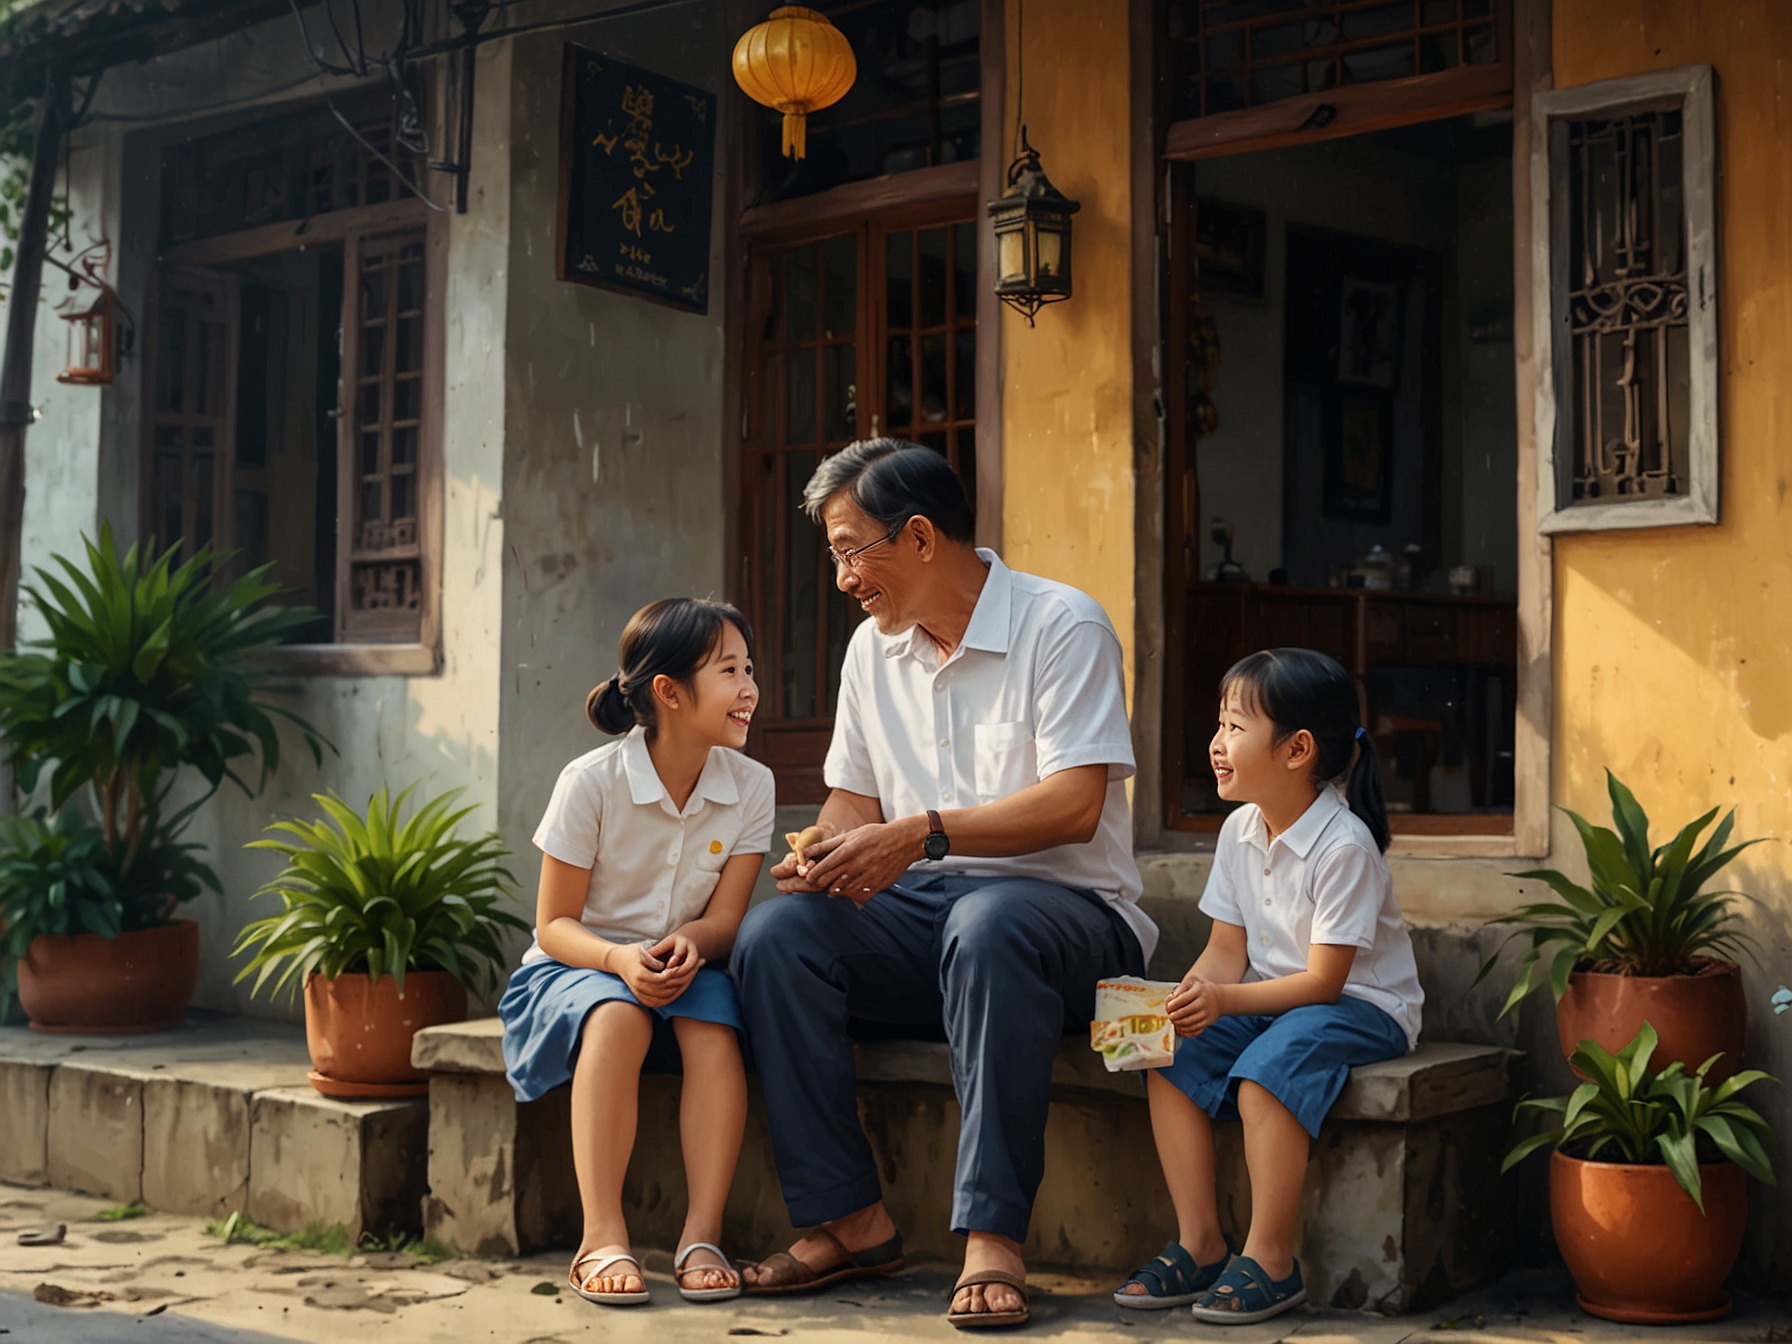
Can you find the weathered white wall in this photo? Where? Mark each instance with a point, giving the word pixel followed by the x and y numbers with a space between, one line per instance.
pixel 439 730
pixel 613 471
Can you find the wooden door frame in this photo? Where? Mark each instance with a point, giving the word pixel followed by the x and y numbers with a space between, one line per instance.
pixel 1526 35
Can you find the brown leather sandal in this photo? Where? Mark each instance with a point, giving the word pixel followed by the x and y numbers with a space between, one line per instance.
pixel 979 1320
pixel 790 1275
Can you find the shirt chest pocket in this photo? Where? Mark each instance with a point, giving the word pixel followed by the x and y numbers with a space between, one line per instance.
pixel 1007 759
pixel 715 845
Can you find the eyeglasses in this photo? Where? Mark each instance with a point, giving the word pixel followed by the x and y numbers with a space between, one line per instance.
pixel 850 559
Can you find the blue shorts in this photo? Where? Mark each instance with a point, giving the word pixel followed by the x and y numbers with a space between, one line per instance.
pixel 1302 1058
pixel 546 1003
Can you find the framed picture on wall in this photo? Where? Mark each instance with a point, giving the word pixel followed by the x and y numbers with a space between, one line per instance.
pixel 1358 438
pixel 1229 247
pixel 1369 334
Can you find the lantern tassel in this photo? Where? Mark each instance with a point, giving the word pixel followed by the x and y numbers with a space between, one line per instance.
pixel 795 135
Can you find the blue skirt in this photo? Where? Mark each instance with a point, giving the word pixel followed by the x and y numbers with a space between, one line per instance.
pixel 546 1003
pixel 1302 1057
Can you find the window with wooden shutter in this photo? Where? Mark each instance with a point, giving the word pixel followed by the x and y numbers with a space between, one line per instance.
pixel 292 416
pixel 383 576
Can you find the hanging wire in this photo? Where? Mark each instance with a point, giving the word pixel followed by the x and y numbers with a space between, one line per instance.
pixel 1020 71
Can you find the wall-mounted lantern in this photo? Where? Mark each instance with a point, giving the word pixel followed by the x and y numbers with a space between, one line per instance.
pixel 797 62
pixel 1032 228
pixel 91 341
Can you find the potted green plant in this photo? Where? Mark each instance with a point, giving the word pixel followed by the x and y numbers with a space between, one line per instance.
pixel 386 923
pixel 1647 1194
pixel 1645 942
pixel 146 671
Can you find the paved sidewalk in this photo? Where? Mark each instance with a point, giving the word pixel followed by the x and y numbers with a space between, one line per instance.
pixel 159 1280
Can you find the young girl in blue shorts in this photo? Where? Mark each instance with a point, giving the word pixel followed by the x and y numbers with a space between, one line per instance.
pixel 1308 972
pixel 650 848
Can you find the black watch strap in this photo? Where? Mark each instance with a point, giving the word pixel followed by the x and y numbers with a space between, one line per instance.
pixel 937 845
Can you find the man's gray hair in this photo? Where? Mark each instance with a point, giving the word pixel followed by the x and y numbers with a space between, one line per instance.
pixel 893 480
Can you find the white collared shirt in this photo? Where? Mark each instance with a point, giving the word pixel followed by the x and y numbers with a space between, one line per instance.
pixel 1037 685
pixel 653 868
pixel 1323 880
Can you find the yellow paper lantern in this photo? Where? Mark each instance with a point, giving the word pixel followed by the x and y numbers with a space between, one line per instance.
pixel 797 62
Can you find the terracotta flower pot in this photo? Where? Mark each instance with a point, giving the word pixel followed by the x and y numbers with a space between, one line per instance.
pixel 1636 1244
pixel 86 984
pixel 359 1030
pixel 1696 1016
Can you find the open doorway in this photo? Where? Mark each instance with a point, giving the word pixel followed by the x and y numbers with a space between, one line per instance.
pixel 1344 451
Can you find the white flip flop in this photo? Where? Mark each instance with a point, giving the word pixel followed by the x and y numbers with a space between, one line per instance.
pixel 604 1261
pixel 705 1294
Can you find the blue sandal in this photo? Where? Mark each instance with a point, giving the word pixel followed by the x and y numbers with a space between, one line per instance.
pixel 1171 1280
pixel 1245 1294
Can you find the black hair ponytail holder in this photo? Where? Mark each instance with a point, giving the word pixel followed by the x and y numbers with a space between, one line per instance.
pixel 1362 734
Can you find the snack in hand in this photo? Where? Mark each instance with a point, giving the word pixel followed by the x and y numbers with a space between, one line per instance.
pixel 1132 1027
pixel 801 840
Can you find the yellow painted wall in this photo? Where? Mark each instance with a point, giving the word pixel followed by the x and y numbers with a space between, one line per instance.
pixel 1067 422
pixel 1672 662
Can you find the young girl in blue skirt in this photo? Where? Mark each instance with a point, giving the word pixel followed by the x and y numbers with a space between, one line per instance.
pixel 1308 971
pixel 650 848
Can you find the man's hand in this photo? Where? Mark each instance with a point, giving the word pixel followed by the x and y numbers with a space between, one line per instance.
pixel 1194 1005
pixel 658 974
pixel 788 871
pixel 863 861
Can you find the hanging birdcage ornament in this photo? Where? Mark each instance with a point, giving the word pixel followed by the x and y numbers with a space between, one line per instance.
pixel 797 62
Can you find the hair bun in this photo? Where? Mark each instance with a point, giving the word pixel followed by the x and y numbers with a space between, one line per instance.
pixel 608 708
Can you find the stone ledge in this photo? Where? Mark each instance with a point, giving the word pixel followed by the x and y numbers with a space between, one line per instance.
pixel 1437 1079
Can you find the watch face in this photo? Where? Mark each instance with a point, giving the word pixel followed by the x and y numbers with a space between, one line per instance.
pixel 937 845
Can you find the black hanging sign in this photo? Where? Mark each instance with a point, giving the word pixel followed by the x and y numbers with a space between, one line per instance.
pixel 637 168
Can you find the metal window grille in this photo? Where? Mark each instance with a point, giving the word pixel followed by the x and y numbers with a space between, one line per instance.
pixel 1628 307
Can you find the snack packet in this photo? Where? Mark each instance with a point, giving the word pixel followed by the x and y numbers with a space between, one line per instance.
pixel 1132 1027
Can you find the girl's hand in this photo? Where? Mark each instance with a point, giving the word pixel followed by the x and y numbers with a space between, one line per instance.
pixel 1194 1005
pixel 678 963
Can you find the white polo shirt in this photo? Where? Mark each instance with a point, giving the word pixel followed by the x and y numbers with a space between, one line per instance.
pixel 1037 685
pixel 1323 880
pixel 653 868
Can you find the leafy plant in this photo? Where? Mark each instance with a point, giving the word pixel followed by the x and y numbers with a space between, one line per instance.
pixel 145 671
pixel 55 878
pixel 118 1213
pixel 376 894
pixel 1626 1112
pixel 1647 909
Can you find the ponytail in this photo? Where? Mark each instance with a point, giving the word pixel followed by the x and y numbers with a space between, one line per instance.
pixel 1364 790
pixel 1298 688
pixel 673 637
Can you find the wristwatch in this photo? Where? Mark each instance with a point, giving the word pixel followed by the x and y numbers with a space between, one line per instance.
pixel 938 844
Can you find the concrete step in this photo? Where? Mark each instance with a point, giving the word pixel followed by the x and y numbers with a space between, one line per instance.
pixel 1403 1206
pixel 212 1117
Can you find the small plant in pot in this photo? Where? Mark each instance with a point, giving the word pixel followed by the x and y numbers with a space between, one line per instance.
pixel 145 676
pixel 1647 1189
pixel 1645 942
pixel 386 923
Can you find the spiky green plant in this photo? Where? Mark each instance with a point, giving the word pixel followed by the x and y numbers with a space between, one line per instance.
pixel 1628 1112
pixel 1647 909
pixel 378 894
pixel 146 670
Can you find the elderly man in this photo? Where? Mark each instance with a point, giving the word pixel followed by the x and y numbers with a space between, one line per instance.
pixel 972 866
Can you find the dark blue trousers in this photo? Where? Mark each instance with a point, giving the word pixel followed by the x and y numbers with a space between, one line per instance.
pixel 1008 965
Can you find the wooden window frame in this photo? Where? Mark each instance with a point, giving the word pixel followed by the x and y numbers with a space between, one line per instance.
pixel 1354 109
pixel 1687 90
pixel 421 657
pixel 1526 42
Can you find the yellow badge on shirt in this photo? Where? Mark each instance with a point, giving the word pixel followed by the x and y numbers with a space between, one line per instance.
pixel 715 846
